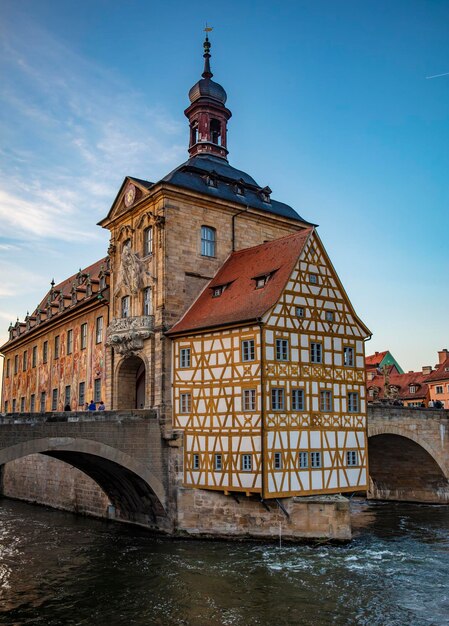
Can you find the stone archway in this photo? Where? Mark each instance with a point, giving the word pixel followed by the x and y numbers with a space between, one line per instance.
pixel 401 469
pixel 131 384
pixel 136 493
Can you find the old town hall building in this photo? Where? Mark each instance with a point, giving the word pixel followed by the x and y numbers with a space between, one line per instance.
pixel 217 306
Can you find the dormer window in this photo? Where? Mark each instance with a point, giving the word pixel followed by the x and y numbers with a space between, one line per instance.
pixel 261 281
pixel 239 190
pixel 102 282
pixel 74 296
pixel 88 289
pixel 265 195
pixel 412 388
pixel 218 290
pixel 211 180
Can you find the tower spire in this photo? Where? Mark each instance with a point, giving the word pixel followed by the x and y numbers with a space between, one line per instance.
pixel 206 45
pixel 207 113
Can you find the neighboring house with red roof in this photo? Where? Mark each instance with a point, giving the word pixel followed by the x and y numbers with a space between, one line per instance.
pixel 411 388
pixel 378 360
pixel 269 377
pixel 438 380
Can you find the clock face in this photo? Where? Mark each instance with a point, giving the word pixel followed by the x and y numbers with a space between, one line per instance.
pixel 130 194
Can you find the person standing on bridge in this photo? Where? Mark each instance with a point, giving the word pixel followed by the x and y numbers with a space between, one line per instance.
pixel 101 406
pixel 92 406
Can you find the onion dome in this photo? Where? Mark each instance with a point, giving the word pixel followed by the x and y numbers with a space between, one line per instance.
pixel 207 88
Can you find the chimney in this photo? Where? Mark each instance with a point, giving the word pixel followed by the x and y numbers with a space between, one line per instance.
pixel 442 355
pixel 426 370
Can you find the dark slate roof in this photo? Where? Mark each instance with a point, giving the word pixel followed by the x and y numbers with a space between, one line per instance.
pixel 193 175
pixel 144 183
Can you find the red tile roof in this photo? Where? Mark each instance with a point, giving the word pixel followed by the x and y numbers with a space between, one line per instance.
pixel 66 285
pixel 403 383
pixel 375 359
pixel 240 300
pixel 441 372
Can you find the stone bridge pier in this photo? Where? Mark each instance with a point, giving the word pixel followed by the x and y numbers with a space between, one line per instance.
pixel 408 454
pixel 122 451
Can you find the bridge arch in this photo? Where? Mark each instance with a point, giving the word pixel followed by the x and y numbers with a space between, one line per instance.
pixel 136 493
pixel 404 466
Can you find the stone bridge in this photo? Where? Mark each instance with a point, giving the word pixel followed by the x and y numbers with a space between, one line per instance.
pixel 123 452
pixel 408 454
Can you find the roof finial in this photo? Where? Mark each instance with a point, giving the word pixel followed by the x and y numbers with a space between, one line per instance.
pixel 207 72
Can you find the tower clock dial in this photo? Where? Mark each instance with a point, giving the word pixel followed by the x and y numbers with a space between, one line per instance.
pixel 130 195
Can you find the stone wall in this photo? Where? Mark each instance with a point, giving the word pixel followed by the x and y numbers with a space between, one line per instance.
pixel 41 479
pixel 211 513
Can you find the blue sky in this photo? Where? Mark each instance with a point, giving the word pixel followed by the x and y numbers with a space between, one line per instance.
pixel 331 108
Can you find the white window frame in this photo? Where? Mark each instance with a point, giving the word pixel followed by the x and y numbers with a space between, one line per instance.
pixel 218 462
pixel 298 394
pixel 148 241
pixel 195 461
pixel 248 350
pixel 125 306
pixel 208 241
pixel 299 311
pixel 277 399
pixel 184 358
pixel 69 341
pixel 99 329
pixel 353 402
pixel 439 389
pixel 316 352
pixel 352 458
pixel 83 336
pixel 185 403
pixel 303 460
pixel 348 356
pixel 246 463
pixel 315 460
pixel 249 399
pixel 282 350
pixel 326 401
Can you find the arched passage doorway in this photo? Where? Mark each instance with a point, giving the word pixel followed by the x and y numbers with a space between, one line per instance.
pixel 401 469
pixel 131 384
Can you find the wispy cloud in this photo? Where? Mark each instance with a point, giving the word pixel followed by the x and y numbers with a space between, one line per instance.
pixel 88 132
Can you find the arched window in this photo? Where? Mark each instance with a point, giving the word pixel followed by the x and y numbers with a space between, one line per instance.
pixel 193 133
pixel 208 241
pixel 215 131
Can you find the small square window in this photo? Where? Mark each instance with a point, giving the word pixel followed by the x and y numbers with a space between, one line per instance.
pixel 184 357
pixel 217 291
pixel 299 311
pixel 329 316
pixel 352 458
pixel 247 462
pixel 313 279
pixel 261 282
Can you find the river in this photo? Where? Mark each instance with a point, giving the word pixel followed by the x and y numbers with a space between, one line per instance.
pixel 57 569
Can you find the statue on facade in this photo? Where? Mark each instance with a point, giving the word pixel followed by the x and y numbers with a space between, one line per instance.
pixel 131 273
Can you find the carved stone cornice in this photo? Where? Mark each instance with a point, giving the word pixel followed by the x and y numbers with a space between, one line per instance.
pixel 127 334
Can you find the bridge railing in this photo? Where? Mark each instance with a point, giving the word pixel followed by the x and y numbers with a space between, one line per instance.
pixel 78 416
